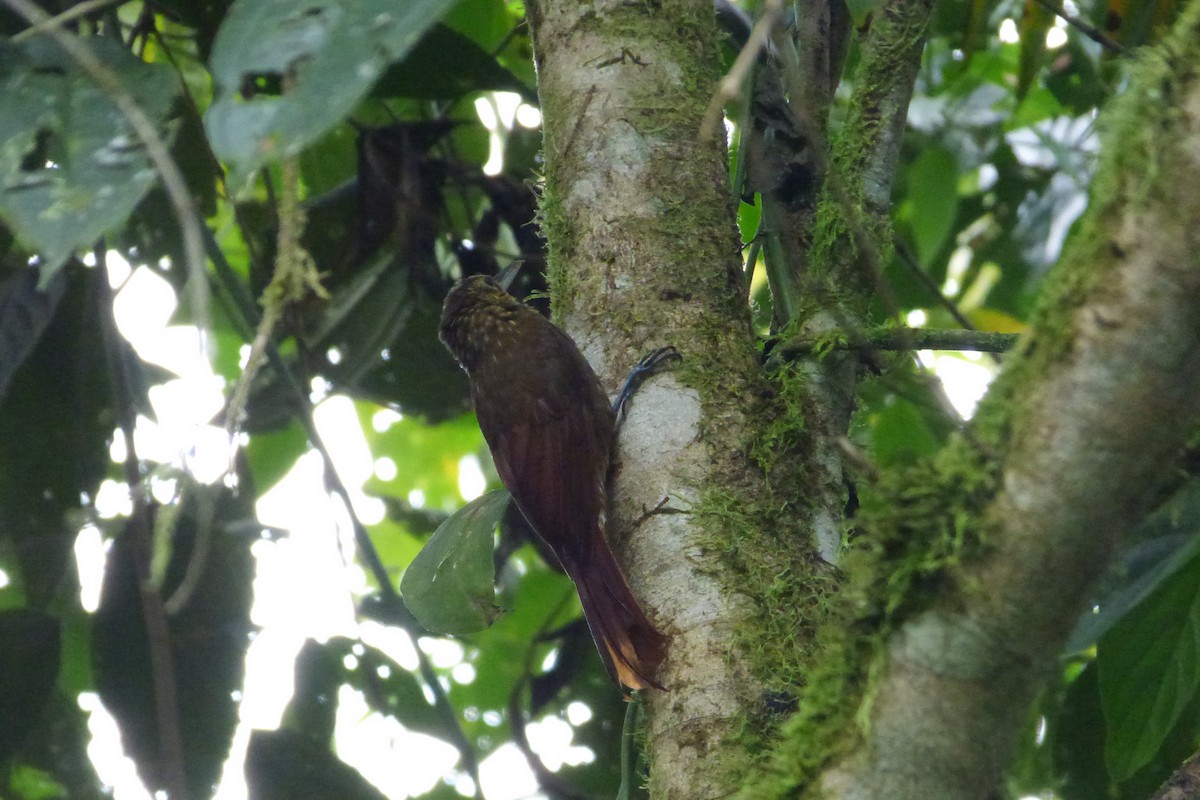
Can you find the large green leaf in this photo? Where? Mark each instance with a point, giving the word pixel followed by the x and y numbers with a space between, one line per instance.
pixel 70 166
pixel 449 585
pixel 447 64
pixel 1149 667
pixel 332 53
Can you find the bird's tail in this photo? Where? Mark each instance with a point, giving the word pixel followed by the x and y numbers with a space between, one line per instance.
pixel 631 647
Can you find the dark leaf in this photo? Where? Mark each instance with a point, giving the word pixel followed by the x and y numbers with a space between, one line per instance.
pixel 55 423
pixel 26 308
pixel 446 65
pixel 29 661
pixel 399 187
pixel 1167 542
pixel 286 765
pixel 208 636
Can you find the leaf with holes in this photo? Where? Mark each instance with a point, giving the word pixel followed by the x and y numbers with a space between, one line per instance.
pixel 330 52
pixel 71 167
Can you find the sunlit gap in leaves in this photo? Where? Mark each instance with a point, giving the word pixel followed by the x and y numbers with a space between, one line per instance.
pixel 965 376
pixel 499 112
pixel 1056 35
pixel 179 441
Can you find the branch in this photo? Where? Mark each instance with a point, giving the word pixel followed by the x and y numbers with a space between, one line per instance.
pixel 875 122
pixel 141 544
pixel 897 339
pixel 295 275
pixel 1184 783
pixel 1077 433
pixel 731 85
pixel 1095 34
pixel 47 24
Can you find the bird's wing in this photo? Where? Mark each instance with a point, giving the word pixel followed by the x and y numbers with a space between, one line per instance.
pixel 551 445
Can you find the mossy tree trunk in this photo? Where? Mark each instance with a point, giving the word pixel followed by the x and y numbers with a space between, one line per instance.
pixel 644 252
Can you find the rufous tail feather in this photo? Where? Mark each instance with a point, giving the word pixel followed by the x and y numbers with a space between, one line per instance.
pixel 629 644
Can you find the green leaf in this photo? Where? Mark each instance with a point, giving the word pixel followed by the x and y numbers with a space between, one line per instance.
pixel 1036 22
pixel 53 416
pixel 1168 543
pixel 933 185
pixel 31 783
pixel 70 166
pixel 449 585
pixel 1149 667
pixel 272 454
pixel 331 51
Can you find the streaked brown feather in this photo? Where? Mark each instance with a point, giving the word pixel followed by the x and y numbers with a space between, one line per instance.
pixel 549 425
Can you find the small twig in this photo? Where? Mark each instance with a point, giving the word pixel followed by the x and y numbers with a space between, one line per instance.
pixel 899 339
pixel 59 20
pixel 201 549
pixel 731 85
pixel 907 258
pixel 659 508
pixel 295 274
pixel 1087 29
pixel 858 459
pixel 934 290
pixel 156 149
pixel 141 544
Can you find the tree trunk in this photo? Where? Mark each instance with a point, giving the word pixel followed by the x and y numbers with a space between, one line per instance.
pixel 639 217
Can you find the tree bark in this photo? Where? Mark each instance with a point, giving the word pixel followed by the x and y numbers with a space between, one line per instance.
pixel 643 252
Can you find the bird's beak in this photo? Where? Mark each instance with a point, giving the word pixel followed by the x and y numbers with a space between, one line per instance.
pixel 506 276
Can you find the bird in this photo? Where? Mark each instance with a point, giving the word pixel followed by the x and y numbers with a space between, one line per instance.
pixel 551 429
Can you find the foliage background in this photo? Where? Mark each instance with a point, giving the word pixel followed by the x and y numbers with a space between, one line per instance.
pixel 374 107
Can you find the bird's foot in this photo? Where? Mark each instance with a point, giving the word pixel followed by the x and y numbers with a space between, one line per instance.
pixel 646 366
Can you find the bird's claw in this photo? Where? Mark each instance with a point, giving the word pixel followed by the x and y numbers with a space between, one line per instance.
pixel 644 368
